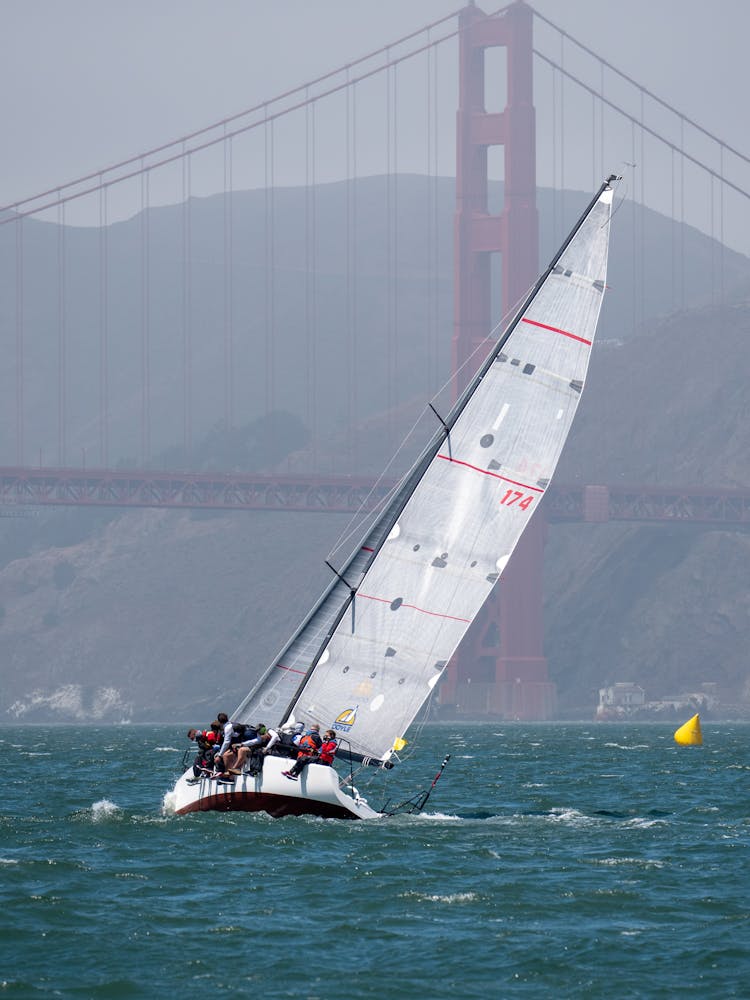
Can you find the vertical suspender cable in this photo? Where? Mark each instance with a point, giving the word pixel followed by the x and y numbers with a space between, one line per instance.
pixel 554 156
pixel 437 376
pixel 602 170
pixel 594 173
pixel 103 326
pixel 642 175
pixel 145 320
pixel 61 336
pixel 19 343
pixel 682 213
pixel 349 330
pixel 354 329
pixel 721 229
pixel 396 228
pixel 389 372
pixel 634 228
pixel 269 265
pixel 228 270
pixel 186 309
pixel 712 214
pixel 562 136
pixel 673 230
pixel 430 221
pixel 310 277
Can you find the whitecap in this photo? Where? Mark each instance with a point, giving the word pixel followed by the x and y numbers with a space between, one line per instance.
pixel 166 750
pixel 169 803
pixel 640 862
pixel 103 808
pixel 641 823
pixel 455 897
pixel 628 746
pixel 8 861
pixel 568 816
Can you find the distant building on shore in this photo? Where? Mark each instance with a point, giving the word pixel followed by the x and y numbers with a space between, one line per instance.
pixel 620 700
pixel 625 700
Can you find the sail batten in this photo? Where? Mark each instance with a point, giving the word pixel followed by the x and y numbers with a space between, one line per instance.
pixel 422 573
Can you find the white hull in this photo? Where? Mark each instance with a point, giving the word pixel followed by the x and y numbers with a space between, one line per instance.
pixel 315 793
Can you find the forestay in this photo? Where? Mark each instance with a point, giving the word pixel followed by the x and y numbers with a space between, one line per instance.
pixel 374 647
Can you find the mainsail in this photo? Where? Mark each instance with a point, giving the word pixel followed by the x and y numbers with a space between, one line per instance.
pixel 372 649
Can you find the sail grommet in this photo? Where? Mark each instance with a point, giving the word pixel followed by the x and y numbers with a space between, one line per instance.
pixel 395 605
pixel 487 440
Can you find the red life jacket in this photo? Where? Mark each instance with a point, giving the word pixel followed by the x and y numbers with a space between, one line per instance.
pixel 327 751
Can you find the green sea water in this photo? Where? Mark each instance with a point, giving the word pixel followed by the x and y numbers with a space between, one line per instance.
pixel 551 861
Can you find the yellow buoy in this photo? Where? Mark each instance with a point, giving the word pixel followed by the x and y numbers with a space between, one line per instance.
pixel 689 734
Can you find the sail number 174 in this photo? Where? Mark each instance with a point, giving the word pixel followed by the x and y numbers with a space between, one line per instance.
pixel 523 500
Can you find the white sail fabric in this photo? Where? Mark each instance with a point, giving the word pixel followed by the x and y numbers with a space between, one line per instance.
pixel 430 562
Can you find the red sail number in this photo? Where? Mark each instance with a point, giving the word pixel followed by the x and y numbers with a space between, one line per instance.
pixel 513 496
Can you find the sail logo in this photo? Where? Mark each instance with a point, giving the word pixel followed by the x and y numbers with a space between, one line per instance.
pixel 346 719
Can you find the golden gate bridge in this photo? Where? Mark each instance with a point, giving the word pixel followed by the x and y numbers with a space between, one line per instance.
pixel 182 304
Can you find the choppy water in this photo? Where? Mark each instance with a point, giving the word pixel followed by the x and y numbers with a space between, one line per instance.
pixel 552 860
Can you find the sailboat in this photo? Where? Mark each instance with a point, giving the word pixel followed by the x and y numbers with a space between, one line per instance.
pixel 376 643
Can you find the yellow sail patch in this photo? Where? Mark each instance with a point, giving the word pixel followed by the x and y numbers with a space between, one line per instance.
pixel 399 744
pixel 689 734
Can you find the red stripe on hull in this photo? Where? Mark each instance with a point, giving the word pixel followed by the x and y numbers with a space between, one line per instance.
pixel 275 805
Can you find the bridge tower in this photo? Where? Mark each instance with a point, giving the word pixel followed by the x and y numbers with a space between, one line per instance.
pixel 500 668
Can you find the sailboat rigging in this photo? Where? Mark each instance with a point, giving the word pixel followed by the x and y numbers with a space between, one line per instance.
pixel 372 649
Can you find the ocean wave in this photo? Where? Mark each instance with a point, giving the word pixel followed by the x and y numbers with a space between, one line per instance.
pixel 166 750
pixel 628 746
pixel 453 897
pixel 573 816
pixel 440 816
pixel 103 809
pixel 641 823
pixel 638 862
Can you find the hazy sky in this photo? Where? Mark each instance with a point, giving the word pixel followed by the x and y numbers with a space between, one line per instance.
pixel 84 83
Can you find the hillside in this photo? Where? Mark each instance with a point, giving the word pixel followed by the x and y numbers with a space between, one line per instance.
pixel 337 287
